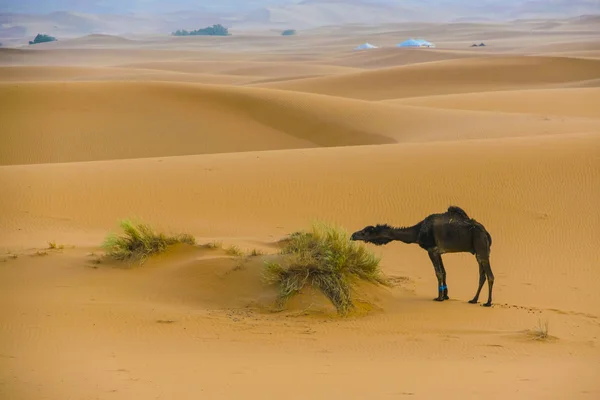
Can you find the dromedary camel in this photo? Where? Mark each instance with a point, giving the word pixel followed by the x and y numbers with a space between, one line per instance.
pixel 450 232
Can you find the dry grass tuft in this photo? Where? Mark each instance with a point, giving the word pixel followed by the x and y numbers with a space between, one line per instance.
pixel 327 260
pixel 213 245
pixel 541 331
pixel 53 246
pixel 140 241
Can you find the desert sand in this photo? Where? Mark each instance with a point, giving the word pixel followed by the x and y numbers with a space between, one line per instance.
pixel 246 139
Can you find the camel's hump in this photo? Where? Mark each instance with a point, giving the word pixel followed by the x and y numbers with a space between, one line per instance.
pixel 458 210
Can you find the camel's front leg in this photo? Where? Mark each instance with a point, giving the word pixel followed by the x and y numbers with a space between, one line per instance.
pixel 444 284
pixel 436 260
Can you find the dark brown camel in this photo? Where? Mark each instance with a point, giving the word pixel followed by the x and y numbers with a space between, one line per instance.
pixel 450 232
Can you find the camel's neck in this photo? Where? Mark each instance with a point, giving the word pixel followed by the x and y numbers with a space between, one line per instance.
pixel 407 235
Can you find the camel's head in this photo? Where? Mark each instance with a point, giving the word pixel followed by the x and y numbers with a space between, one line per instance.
pixel 378 235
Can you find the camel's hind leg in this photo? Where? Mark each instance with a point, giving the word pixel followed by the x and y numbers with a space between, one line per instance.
pixel 481 244
pixel 481 282
pixel 485 271
pixel 490 278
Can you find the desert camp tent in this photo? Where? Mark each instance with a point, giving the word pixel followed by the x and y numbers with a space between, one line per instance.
pixel 366 46
pixel 416 43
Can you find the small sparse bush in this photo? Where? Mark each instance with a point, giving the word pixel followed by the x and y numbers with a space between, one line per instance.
pixel 288 32
pixel 234 251
pixel 214 245
pixel 53 246
pixel 256 252
pixel 140 241
pixel 327 260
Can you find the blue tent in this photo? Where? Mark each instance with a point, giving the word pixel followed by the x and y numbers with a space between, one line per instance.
pixel 409 43
pixel 416 43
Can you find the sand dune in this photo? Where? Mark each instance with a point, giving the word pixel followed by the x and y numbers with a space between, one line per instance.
pixel 51 73
pixel 195 301
pixel 452 76
pixel 245 139
pixel 390 57
pixel 195 118
pixel 94 40
pixel 76 128
pixel 593 54
pixel 564 47
pixel 117 319
pixel 66 73
pixel 247 68
pixel 556 102
pixel 92 57
pixel 519 187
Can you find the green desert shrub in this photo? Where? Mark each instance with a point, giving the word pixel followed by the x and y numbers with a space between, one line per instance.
pixel 327 260
pixel 139 241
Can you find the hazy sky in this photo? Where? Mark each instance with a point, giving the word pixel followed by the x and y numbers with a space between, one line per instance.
pixel 162 6
pixel 132 6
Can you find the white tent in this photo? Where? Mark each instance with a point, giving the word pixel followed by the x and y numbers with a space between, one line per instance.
pixel 366 46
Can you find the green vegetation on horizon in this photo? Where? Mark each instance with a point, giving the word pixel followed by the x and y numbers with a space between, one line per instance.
pixel 215 30
pixel 288 32
pixel 43 39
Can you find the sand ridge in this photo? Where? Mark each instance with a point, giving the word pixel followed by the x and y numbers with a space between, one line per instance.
pixel 451 76
pixel 245 139
pixel 559 102
pixel 393 56
pixel 85 73
pixel 247 68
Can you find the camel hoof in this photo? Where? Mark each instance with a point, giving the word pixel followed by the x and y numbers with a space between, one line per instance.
pixel 473 301
pixel 487 304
